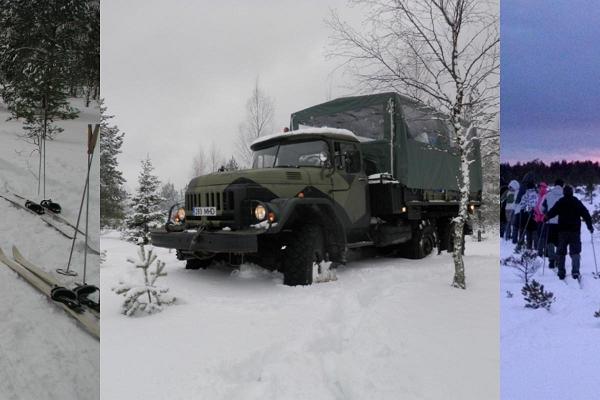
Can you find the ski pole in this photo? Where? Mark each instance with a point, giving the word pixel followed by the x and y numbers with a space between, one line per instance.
pixel 87 218
pixel 545 245
pixel 87 181
pixel 594 251
pixel 522 239
pixel 92 138
pixel 509 226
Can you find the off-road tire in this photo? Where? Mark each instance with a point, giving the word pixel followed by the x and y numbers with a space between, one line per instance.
pixel 305 247
pixel 196 263
pixel 423 242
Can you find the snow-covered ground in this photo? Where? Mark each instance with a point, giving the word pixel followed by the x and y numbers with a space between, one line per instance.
pixel 552 355
pixel 43 353
pixel 388 328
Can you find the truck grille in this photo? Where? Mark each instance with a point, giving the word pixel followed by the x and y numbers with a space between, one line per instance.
pixel 293 175
pixel 221 201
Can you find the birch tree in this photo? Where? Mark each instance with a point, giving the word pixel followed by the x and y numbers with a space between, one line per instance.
pixel 199 164
pixel 444 53
pixel 258 122
pixel 215 158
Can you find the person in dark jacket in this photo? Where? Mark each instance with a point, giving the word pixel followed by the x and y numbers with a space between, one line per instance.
pixel 551 225
pixel 570 211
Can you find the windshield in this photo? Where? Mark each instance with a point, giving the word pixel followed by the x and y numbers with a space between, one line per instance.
pixel 298 154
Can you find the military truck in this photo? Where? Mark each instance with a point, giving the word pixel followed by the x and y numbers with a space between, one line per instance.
pixel 366 171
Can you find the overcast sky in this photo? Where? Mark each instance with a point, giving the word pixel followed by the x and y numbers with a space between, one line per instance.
pixel 177 74
pixel 550 77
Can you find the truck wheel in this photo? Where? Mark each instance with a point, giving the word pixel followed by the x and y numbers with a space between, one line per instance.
pixel 197 263
pixel 305 248
pixel 423 241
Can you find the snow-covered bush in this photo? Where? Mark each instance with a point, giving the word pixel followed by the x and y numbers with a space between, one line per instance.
pixel 536 297
pixel 145 297
pixel 525 264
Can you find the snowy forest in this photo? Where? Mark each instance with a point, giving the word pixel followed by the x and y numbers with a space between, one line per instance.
pixel 50 52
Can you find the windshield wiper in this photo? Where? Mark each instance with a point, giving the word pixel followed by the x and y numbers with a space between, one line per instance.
pixel 286 166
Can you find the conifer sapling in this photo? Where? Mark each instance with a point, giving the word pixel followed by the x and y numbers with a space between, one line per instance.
pixel 147 296
pixel 536 297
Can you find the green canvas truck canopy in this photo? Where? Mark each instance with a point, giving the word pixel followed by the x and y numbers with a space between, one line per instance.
pixel 397 135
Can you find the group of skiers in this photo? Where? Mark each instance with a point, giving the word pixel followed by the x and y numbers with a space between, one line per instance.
pixel 546 220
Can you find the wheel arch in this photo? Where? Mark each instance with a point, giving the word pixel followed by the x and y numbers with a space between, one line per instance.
pixel 296 212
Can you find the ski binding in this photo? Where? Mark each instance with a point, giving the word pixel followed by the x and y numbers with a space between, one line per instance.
pixel 51 206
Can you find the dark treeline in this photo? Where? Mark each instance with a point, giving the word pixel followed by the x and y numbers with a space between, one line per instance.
pixel 576 173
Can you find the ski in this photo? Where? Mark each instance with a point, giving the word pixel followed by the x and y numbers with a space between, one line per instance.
pixel 62 297
pixel 580 281
pixel 82 292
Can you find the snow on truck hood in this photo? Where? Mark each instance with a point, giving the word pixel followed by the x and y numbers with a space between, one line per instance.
pixel 308 131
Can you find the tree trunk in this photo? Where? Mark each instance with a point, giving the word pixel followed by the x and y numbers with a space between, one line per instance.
pixel 88 93
pixel 464 186
pixel 459 280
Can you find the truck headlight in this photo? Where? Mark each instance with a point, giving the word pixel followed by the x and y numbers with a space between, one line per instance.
pixel 260 212
pixel 178 216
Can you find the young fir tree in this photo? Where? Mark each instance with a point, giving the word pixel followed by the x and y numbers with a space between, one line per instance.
pixel 145 206
pixel 148 296
pixel 112 194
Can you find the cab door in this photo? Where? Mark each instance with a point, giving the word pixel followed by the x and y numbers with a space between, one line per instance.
pixel 351 187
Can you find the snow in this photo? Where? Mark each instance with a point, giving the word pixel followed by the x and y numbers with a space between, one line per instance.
pixel 382 178
pixel 43 352
pixel 342 132
pixel 388 328
pixel 266 224
pixel 552 355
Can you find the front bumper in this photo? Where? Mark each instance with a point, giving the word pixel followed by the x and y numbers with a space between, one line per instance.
pixel 207 241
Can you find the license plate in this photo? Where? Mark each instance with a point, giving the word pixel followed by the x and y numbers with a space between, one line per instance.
pixel 205 211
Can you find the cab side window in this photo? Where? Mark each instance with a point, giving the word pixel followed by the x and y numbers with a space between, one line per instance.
pixel 347 157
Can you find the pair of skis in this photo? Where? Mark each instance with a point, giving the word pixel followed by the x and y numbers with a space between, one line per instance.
pixel 579 281
pixel 54 221
pixel 54 208
pixel 76 302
